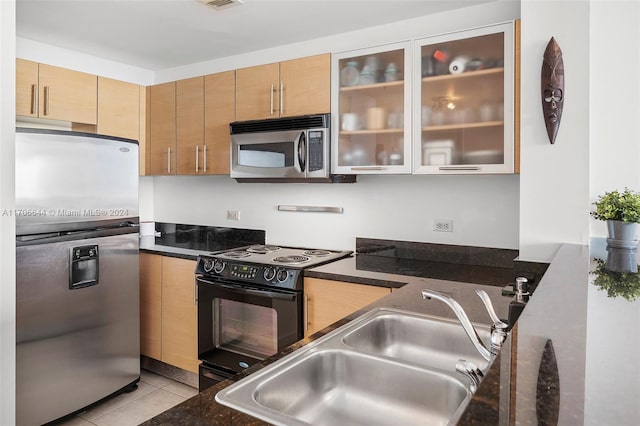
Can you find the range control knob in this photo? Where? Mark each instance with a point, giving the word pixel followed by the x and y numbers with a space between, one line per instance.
pixel 219 266
pixel 282 275
pixel 269 273
pixel 207 265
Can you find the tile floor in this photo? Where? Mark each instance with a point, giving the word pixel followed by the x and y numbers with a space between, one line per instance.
pixel 154 395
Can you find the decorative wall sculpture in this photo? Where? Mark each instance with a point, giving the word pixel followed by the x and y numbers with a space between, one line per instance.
pixel 552 85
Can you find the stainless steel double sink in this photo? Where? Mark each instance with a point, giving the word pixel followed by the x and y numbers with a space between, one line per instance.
pixel 387 367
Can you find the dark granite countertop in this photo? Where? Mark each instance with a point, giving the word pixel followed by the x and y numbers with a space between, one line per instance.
pixel 394 272
pixel 202 409
pixel 189 241
pixel 570 359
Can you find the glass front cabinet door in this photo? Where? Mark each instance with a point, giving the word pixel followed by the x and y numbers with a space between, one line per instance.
pixel 464 102
pixel 371 104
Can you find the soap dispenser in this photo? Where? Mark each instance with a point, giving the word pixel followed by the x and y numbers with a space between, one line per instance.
pixel 516 306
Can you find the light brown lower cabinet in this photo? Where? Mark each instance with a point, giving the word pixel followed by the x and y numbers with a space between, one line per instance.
pixel 150 305
pixel 327 301
pixel 168 311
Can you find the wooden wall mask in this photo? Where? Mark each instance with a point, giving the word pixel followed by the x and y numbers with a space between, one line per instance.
pixel 552 85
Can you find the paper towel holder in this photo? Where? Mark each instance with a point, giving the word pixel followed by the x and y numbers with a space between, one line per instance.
pixel 552 88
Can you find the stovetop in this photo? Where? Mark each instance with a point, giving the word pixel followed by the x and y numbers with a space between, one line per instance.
pixel 281 256
pixel 265 265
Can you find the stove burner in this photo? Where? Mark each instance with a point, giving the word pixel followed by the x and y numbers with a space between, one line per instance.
pixel 262 249
pixel 236 254
pixel 291 260
pixel 318 253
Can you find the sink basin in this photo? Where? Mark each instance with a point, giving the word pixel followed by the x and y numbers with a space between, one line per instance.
pixel 338 387
pixel 418 339
pixel 385 367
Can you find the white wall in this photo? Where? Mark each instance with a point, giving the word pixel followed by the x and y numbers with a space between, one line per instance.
pixel 7 223
pixel 615 99
pixel 556 185
pixel 422 26
pixel 554 181
pixel 484 209
pixel 60 57
pixel 615 155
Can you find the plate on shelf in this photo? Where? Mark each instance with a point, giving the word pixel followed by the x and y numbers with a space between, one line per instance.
pixel 484 156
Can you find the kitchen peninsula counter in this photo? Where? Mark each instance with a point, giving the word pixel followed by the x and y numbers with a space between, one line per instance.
pixel 567 359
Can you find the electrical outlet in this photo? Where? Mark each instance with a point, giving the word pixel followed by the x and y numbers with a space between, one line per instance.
pixel 233 214
pixel 443 225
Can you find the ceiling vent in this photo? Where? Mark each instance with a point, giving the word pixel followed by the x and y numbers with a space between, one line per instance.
pixel 221 4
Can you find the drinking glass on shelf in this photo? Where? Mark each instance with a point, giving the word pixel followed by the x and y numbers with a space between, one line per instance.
pixel 366 75
pixel 350 74
pixel 426 113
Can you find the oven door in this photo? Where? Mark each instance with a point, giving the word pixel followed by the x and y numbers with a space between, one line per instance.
pixel 239 325
pixel 278 154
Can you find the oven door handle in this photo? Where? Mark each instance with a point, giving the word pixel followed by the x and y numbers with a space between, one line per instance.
pixel 253 292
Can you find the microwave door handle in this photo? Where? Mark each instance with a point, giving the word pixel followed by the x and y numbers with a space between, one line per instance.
pixel 302 152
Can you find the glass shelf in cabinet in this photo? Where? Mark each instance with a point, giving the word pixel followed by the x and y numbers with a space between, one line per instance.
pixel 371 131
pixel 468 74
pixel 463 126
pixel 375 86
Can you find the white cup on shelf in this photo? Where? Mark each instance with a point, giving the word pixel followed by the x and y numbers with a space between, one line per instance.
pixel 350 122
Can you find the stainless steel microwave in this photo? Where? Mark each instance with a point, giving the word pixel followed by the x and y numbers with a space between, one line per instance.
pixel 292 149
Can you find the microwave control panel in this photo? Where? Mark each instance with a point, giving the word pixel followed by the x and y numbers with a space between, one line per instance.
pixel 316 150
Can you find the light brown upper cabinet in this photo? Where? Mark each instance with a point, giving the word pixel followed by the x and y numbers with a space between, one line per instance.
pixel 161 135
pixel 289 88
pixel 26 88
pixel 219 111
pixel 55 93
pixel 190 125
pixel 118 108
pixel 193 137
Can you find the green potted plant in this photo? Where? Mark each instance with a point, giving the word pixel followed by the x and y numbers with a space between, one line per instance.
pixel 621 211
pixel 617 284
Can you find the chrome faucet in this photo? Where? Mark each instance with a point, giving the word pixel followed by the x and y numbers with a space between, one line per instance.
pixel 472 372
pixel 498 329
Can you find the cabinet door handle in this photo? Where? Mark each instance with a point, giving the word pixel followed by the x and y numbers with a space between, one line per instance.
pixel 271 101
pixel 281 98
pixel 365 168
pixel 34 94
pixel 46 100
pixel 458 168
pixel 306 312
pixel 169 160
pixel 197 155
pixel 205 159
pixel 195 292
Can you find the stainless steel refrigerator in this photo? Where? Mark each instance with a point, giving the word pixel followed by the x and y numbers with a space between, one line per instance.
pixel 77 292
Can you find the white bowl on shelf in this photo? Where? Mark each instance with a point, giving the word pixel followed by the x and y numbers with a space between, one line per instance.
pixel 483 156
